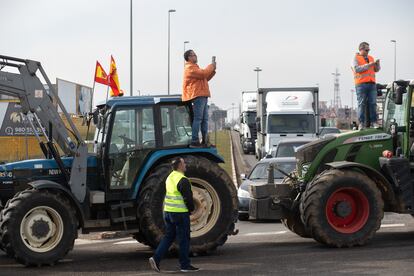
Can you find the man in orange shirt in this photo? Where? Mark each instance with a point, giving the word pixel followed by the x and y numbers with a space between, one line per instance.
pixel 196 90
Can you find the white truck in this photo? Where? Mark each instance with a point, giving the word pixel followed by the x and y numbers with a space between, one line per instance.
pixel 248 133
pixel 283 113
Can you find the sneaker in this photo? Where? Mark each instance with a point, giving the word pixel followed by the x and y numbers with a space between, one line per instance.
pixel 196 145
pixel 154 264
pixel 190 269
pixel 375 125
pixel 361 127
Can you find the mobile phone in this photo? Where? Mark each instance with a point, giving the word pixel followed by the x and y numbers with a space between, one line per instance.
pixel 213 59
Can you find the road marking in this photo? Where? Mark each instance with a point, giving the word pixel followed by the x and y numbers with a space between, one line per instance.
pixel 125 242
pixel 85 241
pixel 392 225
pixel 264 233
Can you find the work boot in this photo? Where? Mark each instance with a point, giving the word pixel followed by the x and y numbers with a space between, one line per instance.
pixel 375 125
pixel 205 142
pixel 196 145
pixel 361 127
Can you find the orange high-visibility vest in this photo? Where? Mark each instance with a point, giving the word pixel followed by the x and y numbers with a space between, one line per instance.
pixel 366 76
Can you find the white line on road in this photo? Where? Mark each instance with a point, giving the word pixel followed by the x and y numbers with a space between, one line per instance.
pixel 264 233
pixel 392 225
pixel 125 242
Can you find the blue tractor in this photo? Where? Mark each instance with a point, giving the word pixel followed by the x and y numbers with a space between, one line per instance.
pixel 118 185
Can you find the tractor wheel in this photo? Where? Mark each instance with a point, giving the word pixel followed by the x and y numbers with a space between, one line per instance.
pixel 294 223
pixel 38 227
pixel 342 208
pixel 215 200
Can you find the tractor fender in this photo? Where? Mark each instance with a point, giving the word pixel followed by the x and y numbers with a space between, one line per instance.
pixel 50 185
pixel 382 183
pixel 159 156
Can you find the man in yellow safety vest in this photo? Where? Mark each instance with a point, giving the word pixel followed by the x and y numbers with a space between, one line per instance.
pixel 178 205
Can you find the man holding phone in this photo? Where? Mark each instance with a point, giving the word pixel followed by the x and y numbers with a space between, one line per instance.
pixel 364 68
pixel 196 90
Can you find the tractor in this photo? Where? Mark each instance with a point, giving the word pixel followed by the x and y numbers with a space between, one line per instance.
pixel 343 184
pixel 116 184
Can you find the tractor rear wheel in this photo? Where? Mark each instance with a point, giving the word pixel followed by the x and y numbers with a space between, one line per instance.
pixel 38 227
pixel 215 200
pixel 342 208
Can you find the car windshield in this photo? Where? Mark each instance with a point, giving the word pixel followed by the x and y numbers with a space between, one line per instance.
pixel 288 149
pixel 260 171
pixel 328 130
pixel 291 123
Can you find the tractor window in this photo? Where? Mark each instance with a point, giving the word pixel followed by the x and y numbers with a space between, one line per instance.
pixel 176 125
pixel 393 111
pixel 132 138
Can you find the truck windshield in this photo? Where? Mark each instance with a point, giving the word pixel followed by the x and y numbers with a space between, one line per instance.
pixel 250 118
pixel 291 123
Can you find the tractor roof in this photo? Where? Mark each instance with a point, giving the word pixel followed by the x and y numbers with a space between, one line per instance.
pixel 142 100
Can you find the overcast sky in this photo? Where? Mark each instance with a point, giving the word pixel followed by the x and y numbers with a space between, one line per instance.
pixel 295 42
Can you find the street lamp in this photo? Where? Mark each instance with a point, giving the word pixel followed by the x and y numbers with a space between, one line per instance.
pixel 257 70
pixel 131 58
pixel 185 42
pixel 395 58
pixel 169 15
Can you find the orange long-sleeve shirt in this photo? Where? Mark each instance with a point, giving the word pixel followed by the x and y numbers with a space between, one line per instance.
pixel 195 83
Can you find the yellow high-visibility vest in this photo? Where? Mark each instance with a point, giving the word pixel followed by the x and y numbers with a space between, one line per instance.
pixel 174 201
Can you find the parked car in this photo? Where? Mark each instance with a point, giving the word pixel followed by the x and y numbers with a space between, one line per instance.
pixel 259 175
pixel 287 147
pixel 323 131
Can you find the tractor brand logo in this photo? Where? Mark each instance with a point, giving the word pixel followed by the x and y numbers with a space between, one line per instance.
pixel 16 117
pixel 290 100
pixel 366 138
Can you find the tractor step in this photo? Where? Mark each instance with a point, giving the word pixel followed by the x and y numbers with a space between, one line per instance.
pixel 99 223
pixel 122 219
pixel 122 205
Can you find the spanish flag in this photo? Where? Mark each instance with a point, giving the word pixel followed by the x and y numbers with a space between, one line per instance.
pixel 100 74
pixel 113 79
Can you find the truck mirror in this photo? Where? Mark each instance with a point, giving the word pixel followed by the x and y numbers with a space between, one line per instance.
pixel 258 126
pixel 399 91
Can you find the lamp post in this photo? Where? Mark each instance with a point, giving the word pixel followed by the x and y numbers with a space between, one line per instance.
pixel 257 70
pixel 185 42
pixel 395 58
pixel 131 58
pixel 169 15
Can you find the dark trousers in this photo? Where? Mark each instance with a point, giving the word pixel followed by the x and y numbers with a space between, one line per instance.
pixel 177 225
pixel 367 99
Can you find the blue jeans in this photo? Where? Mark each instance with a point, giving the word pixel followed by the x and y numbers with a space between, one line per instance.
pixel 367 98
pixel 177 225
pixel 200 111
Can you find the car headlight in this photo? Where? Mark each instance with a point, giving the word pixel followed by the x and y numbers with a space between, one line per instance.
pixel 243 193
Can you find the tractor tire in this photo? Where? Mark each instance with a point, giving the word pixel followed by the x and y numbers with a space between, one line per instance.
pixel 55 232
pixel 294 223
pixel 342 208
pixel 215 200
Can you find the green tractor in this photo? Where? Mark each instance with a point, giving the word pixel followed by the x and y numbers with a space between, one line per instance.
pixel 345 183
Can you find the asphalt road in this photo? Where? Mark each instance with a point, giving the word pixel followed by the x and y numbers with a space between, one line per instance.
pixel 260 248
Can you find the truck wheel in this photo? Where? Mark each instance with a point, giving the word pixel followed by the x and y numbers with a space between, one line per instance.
pixel 342 208
pixel 38 227
pixel 215 200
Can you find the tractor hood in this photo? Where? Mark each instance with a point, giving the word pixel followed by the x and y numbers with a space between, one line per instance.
pixel 45 167
pixel 364 146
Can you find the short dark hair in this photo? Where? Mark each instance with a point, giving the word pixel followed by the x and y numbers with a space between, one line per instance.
pixel 362 45
pixel 187 54
pixel 176 163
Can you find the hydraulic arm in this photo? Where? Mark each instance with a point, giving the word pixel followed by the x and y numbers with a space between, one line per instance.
pixel 41 108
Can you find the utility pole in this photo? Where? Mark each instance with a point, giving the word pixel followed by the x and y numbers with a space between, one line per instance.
pixel 337 97
pixel 257 70
pixel 169 13
pixel 395 58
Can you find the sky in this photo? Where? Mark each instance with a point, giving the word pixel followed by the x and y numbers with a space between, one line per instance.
pixel 295 43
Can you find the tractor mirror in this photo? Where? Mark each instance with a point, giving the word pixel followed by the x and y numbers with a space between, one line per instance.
pixel 399 91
